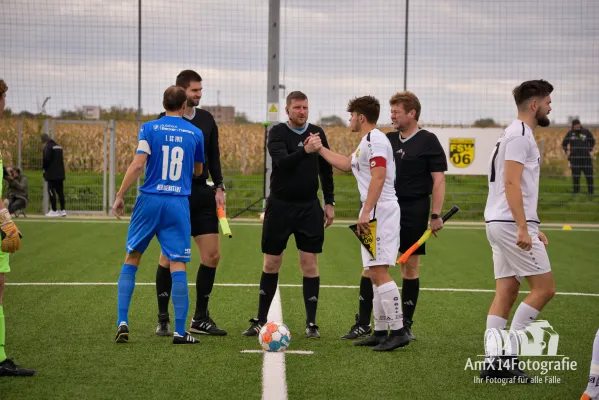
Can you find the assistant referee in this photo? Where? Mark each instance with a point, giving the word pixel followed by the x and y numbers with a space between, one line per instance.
pixel 203 202
pixel 420 163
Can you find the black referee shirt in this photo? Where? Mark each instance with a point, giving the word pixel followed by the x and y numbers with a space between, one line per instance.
pixel 203 120
pixel 295 173
pixel 415 159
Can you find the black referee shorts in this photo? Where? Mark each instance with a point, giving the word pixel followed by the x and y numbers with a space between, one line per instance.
pixel 414 222
pixel 282 218
pixel 202 209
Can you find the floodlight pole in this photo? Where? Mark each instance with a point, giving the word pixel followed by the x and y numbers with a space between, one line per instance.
pixel 272 92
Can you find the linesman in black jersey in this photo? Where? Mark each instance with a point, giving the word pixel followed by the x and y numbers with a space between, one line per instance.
pixel 203 203
pixel 293 207
pixel 420 164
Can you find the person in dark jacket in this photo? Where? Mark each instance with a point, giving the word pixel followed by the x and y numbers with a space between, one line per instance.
pixel 581 143
pixel 18 190
pixel 53 166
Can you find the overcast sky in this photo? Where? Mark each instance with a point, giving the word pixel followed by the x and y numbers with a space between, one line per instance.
pixel 465 56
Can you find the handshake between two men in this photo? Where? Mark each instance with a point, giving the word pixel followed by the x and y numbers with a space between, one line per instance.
pixel 312 144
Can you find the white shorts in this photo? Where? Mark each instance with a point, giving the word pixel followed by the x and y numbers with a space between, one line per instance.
pixel 509 259
pixel 387 216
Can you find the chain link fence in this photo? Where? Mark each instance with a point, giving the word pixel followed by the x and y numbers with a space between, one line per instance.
pixel 63 58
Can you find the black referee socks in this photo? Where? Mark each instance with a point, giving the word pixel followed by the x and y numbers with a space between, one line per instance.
pixel 164 284
pixel 311 288
pixel 366 296
pixel 268 288
pixel 409 294
pixel 204 285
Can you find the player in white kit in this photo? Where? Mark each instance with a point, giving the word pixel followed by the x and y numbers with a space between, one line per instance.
pixel 373 166
pixel 513 227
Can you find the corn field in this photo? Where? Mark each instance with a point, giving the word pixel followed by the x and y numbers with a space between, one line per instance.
pixel 241 146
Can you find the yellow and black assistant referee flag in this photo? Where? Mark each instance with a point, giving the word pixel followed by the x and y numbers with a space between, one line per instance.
pixel 368 240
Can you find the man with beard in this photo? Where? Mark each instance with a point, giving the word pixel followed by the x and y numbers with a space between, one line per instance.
pixel 420 164
pixel 203 204
pixel 513 228
pixel 293 207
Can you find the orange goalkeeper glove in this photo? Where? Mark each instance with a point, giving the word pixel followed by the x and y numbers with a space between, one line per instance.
pixel 11 240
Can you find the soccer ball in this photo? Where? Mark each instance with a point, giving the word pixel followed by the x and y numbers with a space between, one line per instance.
pixel 274 336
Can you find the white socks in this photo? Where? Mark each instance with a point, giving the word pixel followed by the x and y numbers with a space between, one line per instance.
pixel 391 303
pixel 494 338
pixel 495 322
pixel 380 320
pixel 494 335
pixel 593 386
pixel 523 317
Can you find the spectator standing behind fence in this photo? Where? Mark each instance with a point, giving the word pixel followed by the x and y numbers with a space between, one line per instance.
pixel 53 166
pixel 581 143
pixel 17 195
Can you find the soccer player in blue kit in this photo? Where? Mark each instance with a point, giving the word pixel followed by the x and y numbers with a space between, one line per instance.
pixel 172 149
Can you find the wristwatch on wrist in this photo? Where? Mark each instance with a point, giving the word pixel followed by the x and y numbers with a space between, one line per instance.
pixel 435 216
pixel 221 186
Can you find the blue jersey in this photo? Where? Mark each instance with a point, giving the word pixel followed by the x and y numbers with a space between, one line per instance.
pixel 173 145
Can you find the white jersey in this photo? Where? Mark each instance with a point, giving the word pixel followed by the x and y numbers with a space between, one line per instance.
pixel 373 147
pixel 517 143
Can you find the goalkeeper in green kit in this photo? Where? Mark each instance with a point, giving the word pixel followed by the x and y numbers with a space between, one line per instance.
pixel 11 242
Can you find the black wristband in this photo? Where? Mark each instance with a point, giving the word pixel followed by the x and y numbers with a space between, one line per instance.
pixel 435 216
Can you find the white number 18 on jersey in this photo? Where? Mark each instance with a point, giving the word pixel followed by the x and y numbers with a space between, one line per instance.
pixel 172 169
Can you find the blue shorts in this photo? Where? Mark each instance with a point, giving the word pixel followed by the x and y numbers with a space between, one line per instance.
pixel 165 216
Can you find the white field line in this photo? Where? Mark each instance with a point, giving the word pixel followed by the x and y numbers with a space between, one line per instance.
pixel 274 382
pixel 281 285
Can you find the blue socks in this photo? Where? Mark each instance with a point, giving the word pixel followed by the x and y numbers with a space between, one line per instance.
pixel 179 295
pixel 126 286
pixel 180 298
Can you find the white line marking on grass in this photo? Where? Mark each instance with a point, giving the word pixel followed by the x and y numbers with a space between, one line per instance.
pixel 302 352
pixel 274 383
pixel 280 285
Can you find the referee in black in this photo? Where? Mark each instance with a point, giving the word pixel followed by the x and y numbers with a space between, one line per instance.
pixel 203 202
pixel 420 164
pixel 293 207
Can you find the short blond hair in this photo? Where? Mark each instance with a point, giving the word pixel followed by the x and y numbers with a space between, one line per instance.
pixel 3 87
pixel 408 100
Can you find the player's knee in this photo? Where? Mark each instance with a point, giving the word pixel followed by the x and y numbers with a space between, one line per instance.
pixel 272 265
pixel 506 296
pixel 545 293
pixel 379 275
pixel 133 258
pixel 309 270
pixel 163 261
pixel 550 293
pixel 211 259
pixel 409 269
pixel 177 266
